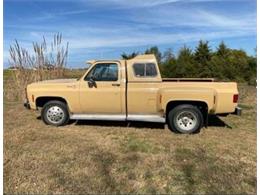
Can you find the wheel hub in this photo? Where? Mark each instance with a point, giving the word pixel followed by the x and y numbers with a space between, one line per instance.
pixel 55 114
pixel 186 120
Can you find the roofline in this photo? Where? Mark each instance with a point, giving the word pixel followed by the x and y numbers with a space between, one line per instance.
pixel 94 61
pixel 140 57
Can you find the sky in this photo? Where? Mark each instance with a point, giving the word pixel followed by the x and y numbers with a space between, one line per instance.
pixel 104 29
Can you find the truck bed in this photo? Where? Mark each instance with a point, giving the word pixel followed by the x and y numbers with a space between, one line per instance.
pixel 188 79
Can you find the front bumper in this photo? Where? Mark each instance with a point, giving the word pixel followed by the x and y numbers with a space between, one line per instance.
pixel 27 105
pixel 238 111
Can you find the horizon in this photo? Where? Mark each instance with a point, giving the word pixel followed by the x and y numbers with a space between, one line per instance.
pixel 105 29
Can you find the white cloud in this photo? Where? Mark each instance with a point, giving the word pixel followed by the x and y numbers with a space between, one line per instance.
pixel 234 21
pixel 147 3
pixel 47 16
pixel 130 40
pixel 196 18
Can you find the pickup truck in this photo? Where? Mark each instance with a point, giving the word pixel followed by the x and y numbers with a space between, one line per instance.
pixel 132 90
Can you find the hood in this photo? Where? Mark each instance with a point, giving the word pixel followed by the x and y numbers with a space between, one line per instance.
pixel 53 82
pixel 57 81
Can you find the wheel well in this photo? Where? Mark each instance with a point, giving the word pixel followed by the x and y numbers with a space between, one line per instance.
pixel 41 101
pixel 202 106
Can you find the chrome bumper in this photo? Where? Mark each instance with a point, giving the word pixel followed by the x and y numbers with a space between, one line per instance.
pixel 27 105
pixel 238 111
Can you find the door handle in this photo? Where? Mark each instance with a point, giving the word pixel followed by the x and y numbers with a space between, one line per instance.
pixel 115 84
pixel 71 86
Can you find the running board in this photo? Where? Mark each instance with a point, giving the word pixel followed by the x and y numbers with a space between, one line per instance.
pixel 146 118
pixel 111 117
pixel 105 117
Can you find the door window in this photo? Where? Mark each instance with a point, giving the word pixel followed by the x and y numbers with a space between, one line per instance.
pixel 103 72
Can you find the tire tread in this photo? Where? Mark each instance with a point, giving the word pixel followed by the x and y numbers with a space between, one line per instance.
pixel 180 108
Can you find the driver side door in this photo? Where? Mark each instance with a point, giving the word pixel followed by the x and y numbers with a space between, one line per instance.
pixel 100 91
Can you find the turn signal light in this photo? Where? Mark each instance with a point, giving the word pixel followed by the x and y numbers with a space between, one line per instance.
pixel 235 98
pixel 32 98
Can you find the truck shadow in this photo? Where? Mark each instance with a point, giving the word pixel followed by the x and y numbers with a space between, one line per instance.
pixel 134 124
pixel 213 121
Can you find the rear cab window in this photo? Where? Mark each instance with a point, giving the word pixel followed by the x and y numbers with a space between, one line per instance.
pixel 145 70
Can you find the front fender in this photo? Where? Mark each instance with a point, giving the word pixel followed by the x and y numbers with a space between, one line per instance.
pixel 64 91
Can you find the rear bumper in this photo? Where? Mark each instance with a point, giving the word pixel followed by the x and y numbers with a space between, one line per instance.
pixel 27 105
pixel 238 111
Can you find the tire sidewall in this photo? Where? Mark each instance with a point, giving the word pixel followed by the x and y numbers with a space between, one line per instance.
pixel 181 108
pixel 62 106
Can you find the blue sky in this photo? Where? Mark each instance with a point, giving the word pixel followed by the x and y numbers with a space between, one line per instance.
pixel 104 29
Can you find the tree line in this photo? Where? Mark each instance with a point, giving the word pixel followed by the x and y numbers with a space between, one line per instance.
pixel 223 63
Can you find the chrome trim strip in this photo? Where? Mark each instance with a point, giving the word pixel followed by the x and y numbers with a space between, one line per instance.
pixel 146 118
pixel 119 117
pixel 109 117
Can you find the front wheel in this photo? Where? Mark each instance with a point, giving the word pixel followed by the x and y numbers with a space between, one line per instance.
pixel 185 118
pixel 55 113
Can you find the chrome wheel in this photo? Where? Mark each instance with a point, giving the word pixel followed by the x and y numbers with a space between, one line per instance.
pixel 55 114
pixel 186 120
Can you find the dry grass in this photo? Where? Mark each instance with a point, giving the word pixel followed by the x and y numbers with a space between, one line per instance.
pixel 47 61
pixel 109 157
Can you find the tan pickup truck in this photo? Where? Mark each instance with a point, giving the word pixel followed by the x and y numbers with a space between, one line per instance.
pixel 132 90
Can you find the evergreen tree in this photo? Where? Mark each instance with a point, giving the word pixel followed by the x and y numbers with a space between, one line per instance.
pixel 168 67
pixel 217 66
pixel 252 69
pixel 237 65
pixel 203 52
pixel 222 50
pixel 219 61
pixel 185 63
pixel 202 58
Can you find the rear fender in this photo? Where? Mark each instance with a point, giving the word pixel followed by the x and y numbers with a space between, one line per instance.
pixel 207 96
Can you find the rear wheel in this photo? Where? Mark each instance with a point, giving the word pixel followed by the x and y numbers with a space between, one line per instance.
pixel 55 113
pixel 185 118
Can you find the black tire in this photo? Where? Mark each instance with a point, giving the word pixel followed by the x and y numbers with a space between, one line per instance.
pixel 60 107
pixel 185 118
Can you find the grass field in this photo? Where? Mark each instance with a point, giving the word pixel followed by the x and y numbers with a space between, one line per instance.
pixel 109 157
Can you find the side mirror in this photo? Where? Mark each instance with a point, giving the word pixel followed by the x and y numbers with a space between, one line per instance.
pixel 92 82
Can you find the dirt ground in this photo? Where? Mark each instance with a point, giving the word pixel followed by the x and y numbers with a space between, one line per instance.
pixel 110 157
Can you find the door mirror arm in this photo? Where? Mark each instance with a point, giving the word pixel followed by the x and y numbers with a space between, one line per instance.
pixel 92 82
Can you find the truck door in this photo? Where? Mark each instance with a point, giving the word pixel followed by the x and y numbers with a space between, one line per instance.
pixel 101 90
